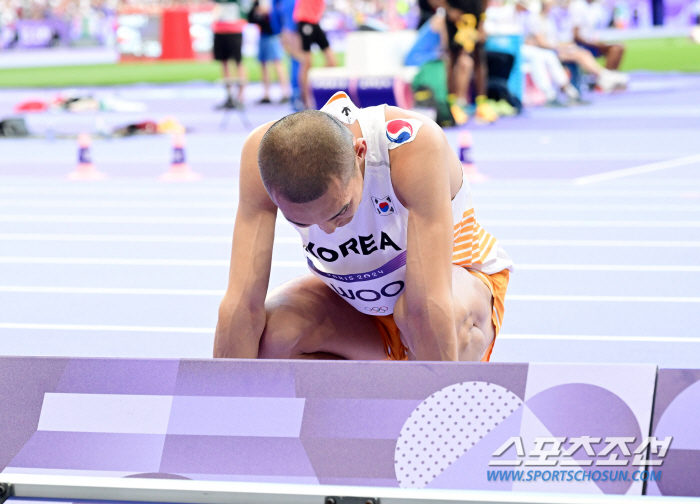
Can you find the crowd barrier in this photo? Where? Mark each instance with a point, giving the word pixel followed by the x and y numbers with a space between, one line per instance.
pixel 416 428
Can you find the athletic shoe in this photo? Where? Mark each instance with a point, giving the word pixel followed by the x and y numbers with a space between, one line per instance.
pixel 555 103
pixel 285 99
pixel 229 104
pixel 458 114
pixel 503 108
pixel 264 101
pixel 486 113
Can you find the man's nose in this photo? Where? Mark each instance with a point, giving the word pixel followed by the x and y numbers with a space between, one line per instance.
pixel 327 227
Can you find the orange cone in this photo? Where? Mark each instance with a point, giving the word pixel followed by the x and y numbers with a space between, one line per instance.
pixel 465 156
pixel 85 170
pixel 179 169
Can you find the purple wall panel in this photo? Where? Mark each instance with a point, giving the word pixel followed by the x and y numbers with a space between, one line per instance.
pixel 235 378
pixel 92 451
pixel 119 376
pixel 23 383
pixel 676 414
pixel 264 456
pixel 376 380
pixel 355 423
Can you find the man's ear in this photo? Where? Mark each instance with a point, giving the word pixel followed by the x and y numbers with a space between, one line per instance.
pixel 360 148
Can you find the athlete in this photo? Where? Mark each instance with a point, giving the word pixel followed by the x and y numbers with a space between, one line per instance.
pixel 400 269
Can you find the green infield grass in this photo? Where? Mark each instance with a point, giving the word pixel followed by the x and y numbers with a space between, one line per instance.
pixel 662 55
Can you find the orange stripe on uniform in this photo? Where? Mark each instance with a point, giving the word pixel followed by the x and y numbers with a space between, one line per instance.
pixel 338 96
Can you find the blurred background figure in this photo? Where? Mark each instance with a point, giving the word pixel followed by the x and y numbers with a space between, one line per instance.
pixel 307 15
pixel 543 32
pixel 585 17
pixel 546 70
pixel 467 58
pixel 228 42
pixel 270 50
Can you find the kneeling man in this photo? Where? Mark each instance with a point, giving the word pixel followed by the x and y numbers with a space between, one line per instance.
pixel 400 269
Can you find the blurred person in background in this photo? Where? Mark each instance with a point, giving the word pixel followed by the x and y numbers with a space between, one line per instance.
pixel 544 34
pixel 426 12
pixel 546 70
pixel 467 57
pixel 307 15
pixel 228 42
pixel 269 50
pixel 585 16
pixel 291 41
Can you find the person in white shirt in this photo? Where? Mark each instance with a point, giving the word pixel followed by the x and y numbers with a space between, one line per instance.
pixel 546 69
pixel 585 17
pixel 546 35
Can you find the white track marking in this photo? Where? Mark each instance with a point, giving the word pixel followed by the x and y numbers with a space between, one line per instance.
pixel 76 203
pixel 604 299
pixel 609 267
pixel 83 327
pixel 125 219
pixel 132 238
pixel 114 219
pixel 117 261
pixel 564 193
pixel 217 293
pixel 625 339
pixel 588 207
pixel 592 223
pixel 110 290
pixel 637 170
pixel 93 190
pixel 297 240
pixel 596 243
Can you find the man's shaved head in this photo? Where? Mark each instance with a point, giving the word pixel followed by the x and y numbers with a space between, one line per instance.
pixel 302 153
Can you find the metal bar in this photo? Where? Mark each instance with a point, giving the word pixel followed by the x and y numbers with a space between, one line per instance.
pixel 215 492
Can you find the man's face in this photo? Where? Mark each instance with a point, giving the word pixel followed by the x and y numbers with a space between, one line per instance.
pixel 334 209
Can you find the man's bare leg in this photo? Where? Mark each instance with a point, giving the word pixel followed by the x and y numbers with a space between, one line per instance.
pixel 305 65
pixel 306 319
pixel 473 304
pixel 330 57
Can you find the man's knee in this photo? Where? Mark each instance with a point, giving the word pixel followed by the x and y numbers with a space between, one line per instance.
pixel 279 339
pixel 464 63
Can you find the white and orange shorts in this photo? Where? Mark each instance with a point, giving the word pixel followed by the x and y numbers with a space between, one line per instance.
pixel 497 284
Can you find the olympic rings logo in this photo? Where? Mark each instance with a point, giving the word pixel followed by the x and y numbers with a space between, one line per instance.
pixel 376 309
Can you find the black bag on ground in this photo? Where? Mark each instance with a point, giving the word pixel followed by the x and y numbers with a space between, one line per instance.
pixel 13 127
pixel 499 66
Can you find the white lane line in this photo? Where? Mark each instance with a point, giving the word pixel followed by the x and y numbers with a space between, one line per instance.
pixel 132 238
pixel 625 339
pixel 116 261
pixel 83 327
pixel 109 290
pixel 220 292
pixel 593 223
pixel 597 243
pixel 609 267
pixel 73 203
pixel 93 190
pixel 606 299
pixel 564 193
pixel 637 170
pixel 296 240
pixel 588 207
pixel 114 219
pixel 125 219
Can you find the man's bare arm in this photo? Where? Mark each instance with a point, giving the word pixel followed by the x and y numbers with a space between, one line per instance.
pixel 242 310
pixel 421 178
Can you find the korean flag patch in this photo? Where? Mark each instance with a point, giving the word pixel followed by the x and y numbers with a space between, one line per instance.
pixel 401 131
pixel 383 206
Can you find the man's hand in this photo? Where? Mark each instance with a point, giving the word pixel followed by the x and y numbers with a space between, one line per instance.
pixel 242 311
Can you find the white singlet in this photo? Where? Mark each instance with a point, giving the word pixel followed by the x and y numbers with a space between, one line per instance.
pixel 365 260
